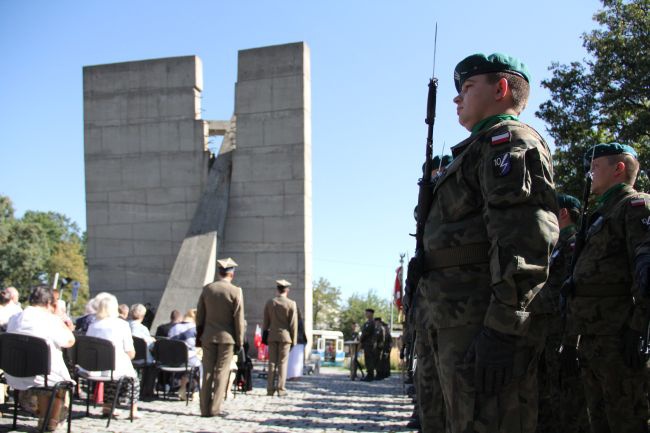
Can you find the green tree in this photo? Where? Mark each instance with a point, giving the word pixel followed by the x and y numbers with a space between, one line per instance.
pixel 23 255
pixel 68 261
pixel 604 98
pixel 38 245
pixel 354 310
pixel 6 209
pixel 326 305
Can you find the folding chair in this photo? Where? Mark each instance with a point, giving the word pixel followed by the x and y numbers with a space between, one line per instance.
pixel 171 356
pixel 25 356
pixel 94 354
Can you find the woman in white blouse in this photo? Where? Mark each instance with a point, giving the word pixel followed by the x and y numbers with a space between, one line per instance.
pixel 110 327
pixel 39 320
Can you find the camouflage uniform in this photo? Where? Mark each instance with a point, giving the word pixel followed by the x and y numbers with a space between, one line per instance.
pixel 369 348
pixel 562 405
pixel 431 406
pixel 487 241
pixel 607 301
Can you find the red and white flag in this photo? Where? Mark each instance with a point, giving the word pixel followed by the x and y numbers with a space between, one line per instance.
pixel 258 336
pixel 397 294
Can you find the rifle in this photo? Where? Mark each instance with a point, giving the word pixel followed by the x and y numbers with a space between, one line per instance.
pixel 425 199
pixel 569 360
pixel 568 288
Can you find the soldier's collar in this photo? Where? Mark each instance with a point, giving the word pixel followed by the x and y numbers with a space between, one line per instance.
pixel 491 121
pixel 609 193
pixel 568 230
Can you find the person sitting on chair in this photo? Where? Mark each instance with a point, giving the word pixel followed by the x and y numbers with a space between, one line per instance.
pixel 40 321
pixel 186 332
pixel 109 326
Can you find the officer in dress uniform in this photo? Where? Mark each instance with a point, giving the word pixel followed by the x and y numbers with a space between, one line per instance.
pixel 281 320
pixel 220 330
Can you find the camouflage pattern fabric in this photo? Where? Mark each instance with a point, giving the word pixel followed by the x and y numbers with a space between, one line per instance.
pixel 607 301
pixel 616 394
pixel 562 405
pixel 431 405
pixel 497 195
pixel 607 298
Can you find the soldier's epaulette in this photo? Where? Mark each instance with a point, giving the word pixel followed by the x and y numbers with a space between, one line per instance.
pixel 637 201
pixel 501 138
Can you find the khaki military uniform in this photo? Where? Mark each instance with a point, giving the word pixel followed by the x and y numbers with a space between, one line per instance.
pixel 220 326
pixel 369 343
pixel 487 240
pixel 607 301
pixel 562 405
pixel 281 319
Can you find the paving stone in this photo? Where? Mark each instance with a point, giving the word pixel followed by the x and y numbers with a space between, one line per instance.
pixel 328 402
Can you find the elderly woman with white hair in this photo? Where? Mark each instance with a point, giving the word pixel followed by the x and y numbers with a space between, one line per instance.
pixel 109 326
pixel 137 313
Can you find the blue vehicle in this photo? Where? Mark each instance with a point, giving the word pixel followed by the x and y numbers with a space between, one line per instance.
pixel 329 346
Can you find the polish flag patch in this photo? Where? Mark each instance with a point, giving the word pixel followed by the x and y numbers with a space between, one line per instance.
pixel 639 201
pixel 501 138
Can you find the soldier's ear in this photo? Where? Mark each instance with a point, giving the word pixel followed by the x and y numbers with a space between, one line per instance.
pixel 501 89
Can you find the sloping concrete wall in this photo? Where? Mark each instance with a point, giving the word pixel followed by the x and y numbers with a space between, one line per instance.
pixel 268 225
pixel 146 163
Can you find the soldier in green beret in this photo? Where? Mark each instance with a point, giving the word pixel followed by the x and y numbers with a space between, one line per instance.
pixel 562 406
pixel 609 308
pixel 487 241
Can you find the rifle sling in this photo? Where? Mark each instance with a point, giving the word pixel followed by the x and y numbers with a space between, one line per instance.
pixel 471 254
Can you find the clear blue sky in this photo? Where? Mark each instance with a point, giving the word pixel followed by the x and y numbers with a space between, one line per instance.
pixel 371 62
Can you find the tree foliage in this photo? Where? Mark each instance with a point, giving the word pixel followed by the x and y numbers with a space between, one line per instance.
pixel 326 305
pixel 354 310
pixel 37 246
pixel 604 98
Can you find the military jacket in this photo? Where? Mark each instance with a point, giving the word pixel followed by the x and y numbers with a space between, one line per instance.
pixel 368 337
pixel 606 295
pixel 490 230
pixel 281 319
pixel 220 314
pixel 547 301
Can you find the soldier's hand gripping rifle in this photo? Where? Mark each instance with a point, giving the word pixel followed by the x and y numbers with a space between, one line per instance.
pixel 425 198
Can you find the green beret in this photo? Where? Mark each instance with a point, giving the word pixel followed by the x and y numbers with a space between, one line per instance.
pixel 568 201
pixel 477 64
pixel 608 149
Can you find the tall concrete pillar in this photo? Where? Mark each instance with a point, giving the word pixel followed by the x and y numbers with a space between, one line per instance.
pixel 146 163
pixel 268 224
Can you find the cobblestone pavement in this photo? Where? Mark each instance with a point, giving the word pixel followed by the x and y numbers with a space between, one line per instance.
pixel 328 402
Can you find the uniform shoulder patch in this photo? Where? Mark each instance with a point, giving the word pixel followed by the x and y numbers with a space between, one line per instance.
pixel 501 138
pixel 501 164
pixel 637 201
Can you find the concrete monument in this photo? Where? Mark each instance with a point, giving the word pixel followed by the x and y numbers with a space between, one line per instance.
pixel 161 207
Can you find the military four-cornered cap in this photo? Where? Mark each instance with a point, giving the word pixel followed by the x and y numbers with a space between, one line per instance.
pixel 568 202
pixel 606 149
pixel 478 64
pixel 227 263
pixel 283 283
pixel 370 310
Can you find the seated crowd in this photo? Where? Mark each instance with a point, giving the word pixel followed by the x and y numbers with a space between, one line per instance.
pixel 46 318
